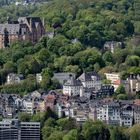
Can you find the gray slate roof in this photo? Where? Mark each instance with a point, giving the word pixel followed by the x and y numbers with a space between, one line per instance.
pixel 13 29
pixel 87 76
pixel 73 82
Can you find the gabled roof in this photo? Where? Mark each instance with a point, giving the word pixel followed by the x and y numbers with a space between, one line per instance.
pixel 73 82
pixel 114 104
pixel 88 76
pixel 6 96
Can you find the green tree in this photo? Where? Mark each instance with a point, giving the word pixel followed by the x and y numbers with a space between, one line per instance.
pixel 133 60
pixel 116 133
pixel 95 130
pixel 9 67
pixel 46 132
pixel 24 117
pixel 134 132
pixel 37 117
pixel 122 96
pixel 71 135
pixel 66 124
pixel 43 56
pixel 48 114
pixel 56 135
pixel 120 90
pixel 108 58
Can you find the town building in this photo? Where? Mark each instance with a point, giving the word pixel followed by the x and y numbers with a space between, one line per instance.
pixel 126 118
pixel 13 129
pixel 63 77
pixel 113 113
pixel 104 91
pixel 87 92
pixel 49 101
pixel 132 84
pixel 90 80
pixel 114 79
pixel 13 78
pixel 72 87
pixel 81 108
pixel 26 28
pixel 9 130
pixel 7 105
pixel 87 85
pixel 29 131
pixel 136 114
pixel 112 45
pixel 33 102
pixel 28 105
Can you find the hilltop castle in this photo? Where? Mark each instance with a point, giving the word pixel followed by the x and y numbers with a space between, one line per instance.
pixel 26 28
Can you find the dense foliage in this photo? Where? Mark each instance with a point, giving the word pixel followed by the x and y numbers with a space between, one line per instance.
pixel 80 30
pixel 80 27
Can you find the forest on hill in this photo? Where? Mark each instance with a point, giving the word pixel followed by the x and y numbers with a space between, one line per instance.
pixel 81 28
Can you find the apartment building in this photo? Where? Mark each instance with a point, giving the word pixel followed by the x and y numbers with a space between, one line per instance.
pixel 29 131
pixel 9 130
pixel 84 84
pixel 15 130
pixel 90 80
pixel 132 84
pixel 114 78
pixel 72 87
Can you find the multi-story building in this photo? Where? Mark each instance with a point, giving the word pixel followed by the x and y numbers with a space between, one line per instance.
pixel 90 80
pixel 28 105
pixel 72 87
pixel 112 45
pixel 33 102
pixel 8 105
pixel 137 114
pixel 114 78
pixel 9 130
pixel 15 130
pixel 126 118
pixel 26 28
pixel 84 84
pixel 113 113
pixel 14 78
pixel 29 131
pixel 49 101
pixel 132 84
pixel 105 91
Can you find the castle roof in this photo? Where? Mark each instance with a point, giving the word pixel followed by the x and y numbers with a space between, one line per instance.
pixel 12 29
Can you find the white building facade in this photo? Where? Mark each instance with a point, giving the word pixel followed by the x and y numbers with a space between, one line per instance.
pixel 90 80
pixel 114 78
pixel 72 87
